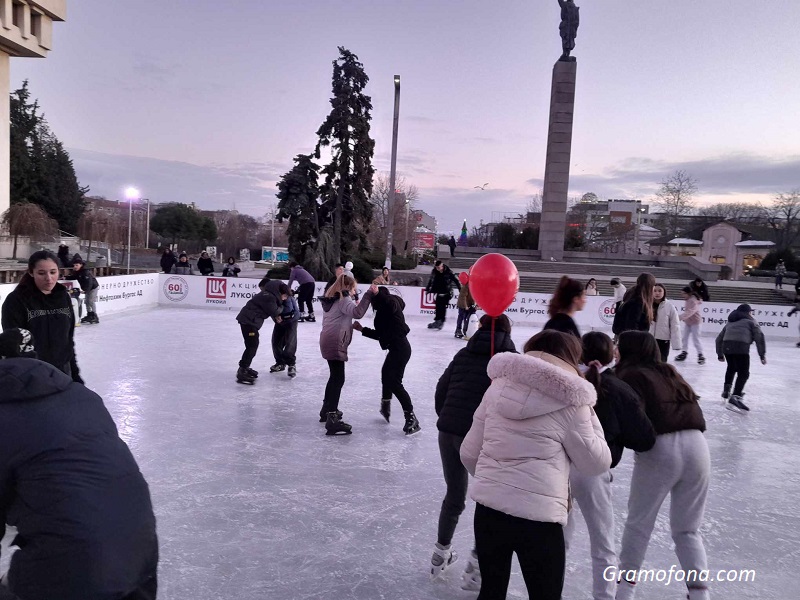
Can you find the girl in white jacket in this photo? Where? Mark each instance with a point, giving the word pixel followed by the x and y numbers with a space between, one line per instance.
pixel 534 423
pixel 666 326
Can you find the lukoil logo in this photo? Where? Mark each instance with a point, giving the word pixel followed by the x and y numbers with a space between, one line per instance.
pixel 176 289
pixel 427 301
pixel 607 310
pixel 216 287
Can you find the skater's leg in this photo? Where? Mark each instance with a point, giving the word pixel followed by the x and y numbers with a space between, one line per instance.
pixel 695 331
pixel 730 371
pixel 541 555
pixel 290 343
pixel 386 376
pixel 742 372
pixel 494 532
pixel 91 301
pixel 333 390
pixel 456 479
pixel 397 359
pixel 663 347
pixel 278 334
pixel 688 502
pixel 441 306
pixel 462 312
pixel 685 337
pixel 250 335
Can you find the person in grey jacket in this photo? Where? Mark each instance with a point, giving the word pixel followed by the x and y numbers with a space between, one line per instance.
pixel 183 266
pixel 338 311
pixel 264 305
pixel 733 347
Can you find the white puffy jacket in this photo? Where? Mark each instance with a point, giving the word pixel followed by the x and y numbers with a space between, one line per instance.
pixel 667 326
pixel 535 421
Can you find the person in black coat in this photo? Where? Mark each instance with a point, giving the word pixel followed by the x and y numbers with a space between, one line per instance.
pixel 267 304
pixel 43 306
pixel 168 260
pixel 88 283
pixel 636 311
pixel 441 283
pixel 699 286
pixel 63 256
pixel 71 487
pixel 204 264
pixel 570 297
pixel 458 394
pixel 391 332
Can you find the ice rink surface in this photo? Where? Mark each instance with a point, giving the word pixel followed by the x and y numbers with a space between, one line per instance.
pixel 255 502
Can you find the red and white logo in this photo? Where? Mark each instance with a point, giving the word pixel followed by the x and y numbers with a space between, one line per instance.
pixel 176 289
pixel 427 301
pixel 216 287
pixel 606 311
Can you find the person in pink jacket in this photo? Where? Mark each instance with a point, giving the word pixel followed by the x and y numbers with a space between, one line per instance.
pixel 692 318
pixel 534 424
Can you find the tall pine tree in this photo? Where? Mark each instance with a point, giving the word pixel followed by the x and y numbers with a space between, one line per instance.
pixel 348 177
pixel 298 195
pixel 41 169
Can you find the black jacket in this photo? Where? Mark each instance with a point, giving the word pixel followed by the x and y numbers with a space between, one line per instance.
pixel 564 323
pixel 85 279
pixel 462 385
pixel 701 289
pixel 630 316
pixel 205 266
pixel 621 413
pixel 442 282
pixel 167 260
pixel 264 305
pixel 71 487
pixel 390 323
pixel 50 320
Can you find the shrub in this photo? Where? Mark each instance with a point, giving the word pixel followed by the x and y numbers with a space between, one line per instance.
pixel 771 260
pixel 361 270
pixel 279 272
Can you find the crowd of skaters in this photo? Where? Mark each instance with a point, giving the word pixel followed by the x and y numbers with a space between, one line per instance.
pixel 536 430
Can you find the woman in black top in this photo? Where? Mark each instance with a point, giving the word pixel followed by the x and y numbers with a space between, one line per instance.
pixel 699 286
pixel 570 297
pixel 636 311
pixel 42 306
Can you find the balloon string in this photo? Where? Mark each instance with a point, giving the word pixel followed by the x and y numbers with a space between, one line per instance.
pixel 491 346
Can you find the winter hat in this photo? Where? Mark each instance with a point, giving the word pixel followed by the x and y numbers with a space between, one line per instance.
pixel 745 308
pixel 16 343
pixel 348 266
pixel 614 281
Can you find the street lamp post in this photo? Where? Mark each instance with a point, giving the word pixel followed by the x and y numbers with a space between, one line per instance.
pixel 392 174
pixel 131 194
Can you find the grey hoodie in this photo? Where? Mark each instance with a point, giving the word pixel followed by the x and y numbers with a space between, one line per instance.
pixel 739 332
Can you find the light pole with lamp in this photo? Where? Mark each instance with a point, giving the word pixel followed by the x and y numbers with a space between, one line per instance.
pixel 392 174
pixel 131 194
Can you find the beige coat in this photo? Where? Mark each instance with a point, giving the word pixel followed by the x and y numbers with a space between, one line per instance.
pixel 535 422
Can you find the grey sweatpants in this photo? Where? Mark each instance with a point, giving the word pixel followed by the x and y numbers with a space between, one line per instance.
pixel 678 466
pixel 593 496
pixel 91 301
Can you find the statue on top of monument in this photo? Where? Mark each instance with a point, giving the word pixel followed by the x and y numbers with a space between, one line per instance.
pixel 568 28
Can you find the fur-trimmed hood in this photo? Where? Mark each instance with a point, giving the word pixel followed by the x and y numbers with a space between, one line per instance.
pixel 535 384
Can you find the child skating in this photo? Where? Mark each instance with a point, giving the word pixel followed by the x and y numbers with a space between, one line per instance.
pixel 733 347
pixel 691 324
pixel 267 304
pixel 284 338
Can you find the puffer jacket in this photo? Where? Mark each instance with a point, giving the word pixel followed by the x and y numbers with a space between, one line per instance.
pixel 465 380
pixel 534 423
pixel 630 316
pixel 264 305
pixel 182 268
pixel 691 311
pixel 667 325
pixel 337 324
pixel 739 332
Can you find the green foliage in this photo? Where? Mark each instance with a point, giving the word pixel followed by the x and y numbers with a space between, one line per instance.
pixel 770 261
pixel 377 259
pixel 182 222
pixel 574 239
pixel 348 177
pixel 528 239
pixel 41 169
pixel 298 195
pixel 279 272
pixel 504 236
pixel 790 274
pixel 443 239
pixel 207 231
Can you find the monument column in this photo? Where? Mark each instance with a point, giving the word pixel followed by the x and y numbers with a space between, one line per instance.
pixel 559 150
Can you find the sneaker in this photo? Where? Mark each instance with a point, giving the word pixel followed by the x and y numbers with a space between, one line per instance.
pixel 471 578
pixel 277 368
pixel 311 318
pixel 292 371
pixel 443 557
pixel 459 334
pixel 681 356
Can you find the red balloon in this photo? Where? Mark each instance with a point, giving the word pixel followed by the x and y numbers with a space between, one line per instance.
pixel 493 282
pixel 463 277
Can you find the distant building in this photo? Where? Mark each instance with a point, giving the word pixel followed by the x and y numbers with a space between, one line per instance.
pixel 419 218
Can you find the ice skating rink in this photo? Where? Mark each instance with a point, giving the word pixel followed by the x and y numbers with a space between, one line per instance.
pixel 255 502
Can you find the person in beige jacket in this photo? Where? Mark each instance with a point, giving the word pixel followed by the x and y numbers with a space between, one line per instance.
pixel 534 424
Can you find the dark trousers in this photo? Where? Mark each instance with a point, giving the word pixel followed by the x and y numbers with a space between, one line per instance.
pixel 305 293
pixel 333 390
pixel 250 335
pixel 663 346
pixel 394 367
pixel 442 300
pixel 738 366
pixel 452 251
pixel 539 548
pixel 147 591
pixel 456 478
pixel 284 343
pixel 464 315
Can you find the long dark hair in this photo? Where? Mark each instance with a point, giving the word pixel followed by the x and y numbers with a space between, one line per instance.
pixel 561 345
pixel 42 255
pixel 568 289
pixel 638 350
pixel 597 346
pixel 644 291
pixel 501 323
pixel 692 292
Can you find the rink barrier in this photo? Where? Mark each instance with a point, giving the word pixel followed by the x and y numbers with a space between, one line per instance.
pixel 126 292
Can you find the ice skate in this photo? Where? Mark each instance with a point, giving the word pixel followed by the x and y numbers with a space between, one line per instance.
pixel 412 425
pixel 292 371
pixel 252 372
pixel 85 319
pixel 242 376
pixel 277 368
pixel 438 325
pixel 701 360
pixel 334 425
pixel 93 319
pixel 310 318
pixel 323 417
pixel 459 334
pixel 471 578
pixel 682 356
pixel 386 409
pixel 736 405
pixel 442 558
pixel 726 390
pixel 433 325
pixel 302 318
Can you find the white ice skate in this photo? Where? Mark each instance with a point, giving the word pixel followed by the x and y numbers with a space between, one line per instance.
pixel 441 560
pixel 471 578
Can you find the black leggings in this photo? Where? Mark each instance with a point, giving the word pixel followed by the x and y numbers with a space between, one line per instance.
pixel 394 368
pixel 305 294
pixel 739 366
pixel 250 335
pixel 539 547
pixel 442 300
pixel 663 347
pixel 456 479
pixel 333 390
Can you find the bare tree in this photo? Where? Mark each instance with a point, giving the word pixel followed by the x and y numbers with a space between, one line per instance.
pixel 534 204
pixel 379 198
pixel 26 218
pixel 740 212
pixel 783 216
pixel 675 198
